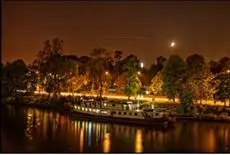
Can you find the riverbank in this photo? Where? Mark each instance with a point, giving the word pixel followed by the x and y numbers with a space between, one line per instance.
pixel 60 106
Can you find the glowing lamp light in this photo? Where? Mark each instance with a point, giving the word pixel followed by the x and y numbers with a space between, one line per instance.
pixel 172 44
pixel 105 104
pixel 75 107
pixel 141 64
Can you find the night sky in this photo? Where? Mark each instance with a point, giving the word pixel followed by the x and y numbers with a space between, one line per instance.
pixel 143 29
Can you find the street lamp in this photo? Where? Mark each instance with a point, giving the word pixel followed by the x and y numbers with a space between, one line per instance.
pixel 142 65
pixel 106 73
pixel 228 71
pixel 139 73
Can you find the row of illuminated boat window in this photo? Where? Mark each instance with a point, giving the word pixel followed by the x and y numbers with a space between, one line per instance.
pixel 89 109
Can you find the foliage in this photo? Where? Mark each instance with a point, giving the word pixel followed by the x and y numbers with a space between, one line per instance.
pixel 133 86
pixel 14 77
pixel 100 61
pixel 156 84
pixel 131 65
pixel 196 69
pixel 54 69
pixel 186 101
pixel 173 71
pixel 223 88
pixel 32 79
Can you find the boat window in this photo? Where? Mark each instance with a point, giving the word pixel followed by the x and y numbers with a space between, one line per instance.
pixel 113 105
pixel 135 114
pixel 119 113
pixel 130 113
pixel 157 114
pixel 124 113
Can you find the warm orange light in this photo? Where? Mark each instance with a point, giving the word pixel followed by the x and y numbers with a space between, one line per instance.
pixel 106 143
pixel 138 142
pixel 106 73
pixel 172 44
pixel 82 139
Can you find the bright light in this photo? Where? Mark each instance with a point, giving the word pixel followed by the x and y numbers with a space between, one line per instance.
pixel 104 112
pixel 142 64
pixel 139 73
pixel 75 107
pixel 106 73
pixel 90 109
pixel 147 92
pixel 152 106
pixel 137 110
pixel 97 111
pixel 228 71
pixel 172 44
pixel 105 104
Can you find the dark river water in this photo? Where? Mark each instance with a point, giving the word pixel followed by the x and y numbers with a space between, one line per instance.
pixel 35 130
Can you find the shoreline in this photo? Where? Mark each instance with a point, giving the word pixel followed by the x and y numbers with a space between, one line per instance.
pixel 61 109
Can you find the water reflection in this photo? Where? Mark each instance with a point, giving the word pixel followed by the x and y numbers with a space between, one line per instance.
pixel 138 143
pixel 106 143
pixel 44 131
pixel 82 138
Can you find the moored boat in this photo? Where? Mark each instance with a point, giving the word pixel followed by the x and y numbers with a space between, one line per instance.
pixel 124 112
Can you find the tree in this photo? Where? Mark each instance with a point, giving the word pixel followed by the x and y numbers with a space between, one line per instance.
pixel 223 87
pixel 98 66
pixel 131 65
pixel 186 99
pixel 156 84
pixel 133 86
pixel 158 66
pixel 173 71
pixel 32 79
pixel 116 66
pixel 196 70
pixel 14 77
pixel 54 69
pixel 224 64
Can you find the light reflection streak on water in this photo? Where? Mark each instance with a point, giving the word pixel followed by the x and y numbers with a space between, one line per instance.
pixel 106 143
pixel 82 137
pixel 89 133
pixel 29 124
pixel 138 141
